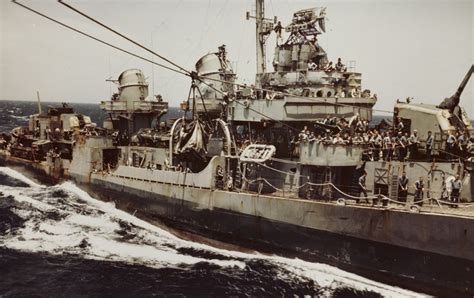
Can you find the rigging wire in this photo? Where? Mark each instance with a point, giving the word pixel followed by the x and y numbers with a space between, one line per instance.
pixel 181 68
pixel 123 36
pixel 97 39
pixel 130 53
pixel 185 73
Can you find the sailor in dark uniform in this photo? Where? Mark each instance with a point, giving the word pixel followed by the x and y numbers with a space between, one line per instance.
pixel 456 186
pixel 362 187
pixel 278 29
pixel 402 187
pixel 419 189
pixel 429 146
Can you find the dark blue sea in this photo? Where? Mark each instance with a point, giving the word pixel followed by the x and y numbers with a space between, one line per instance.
pixel 60 241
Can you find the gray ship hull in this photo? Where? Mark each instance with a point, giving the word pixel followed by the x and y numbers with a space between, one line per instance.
pixel 423 252
pixel 418 269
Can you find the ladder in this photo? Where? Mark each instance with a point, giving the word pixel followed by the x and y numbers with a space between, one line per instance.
pixel 327 190
pixel 394 187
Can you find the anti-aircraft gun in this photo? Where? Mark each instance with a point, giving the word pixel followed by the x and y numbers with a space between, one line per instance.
pixel 452 103
pixel 440 120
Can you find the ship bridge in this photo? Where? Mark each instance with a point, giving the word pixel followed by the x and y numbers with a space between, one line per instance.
pixel 304 85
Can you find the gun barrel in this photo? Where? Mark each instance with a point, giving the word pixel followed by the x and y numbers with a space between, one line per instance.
pixel 465 81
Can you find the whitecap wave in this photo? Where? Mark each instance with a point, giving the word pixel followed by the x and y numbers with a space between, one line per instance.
pixel 76 223
pixel 19 176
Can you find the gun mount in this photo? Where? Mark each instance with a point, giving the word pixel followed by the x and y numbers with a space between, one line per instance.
pixel 452 103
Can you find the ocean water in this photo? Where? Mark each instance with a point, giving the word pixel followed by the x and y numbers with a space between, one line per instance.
pixel 60 241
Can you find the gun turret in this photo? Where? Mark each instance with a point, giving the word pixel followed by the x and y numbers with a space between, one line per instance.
pixel 453 101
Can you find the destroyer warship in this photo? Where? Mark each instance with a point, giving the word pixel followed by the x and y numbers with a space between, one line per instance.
pixel 279 165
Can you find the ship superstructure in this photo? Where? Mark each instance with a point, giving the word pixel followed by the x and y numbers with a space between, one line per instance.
pixel 280 163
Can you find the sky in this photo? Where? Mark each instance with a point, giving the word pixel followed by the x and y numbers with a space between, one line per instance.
pixel 416 48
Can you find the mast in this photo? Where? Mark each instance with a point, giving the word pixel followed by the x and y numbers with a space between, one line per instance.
pixel 263 28
pixel 39 102
pixel 259 16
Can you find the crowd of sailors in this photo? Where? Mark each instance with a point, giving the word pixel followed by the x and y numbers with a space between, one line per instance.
pixel 329 67
pixel 395 143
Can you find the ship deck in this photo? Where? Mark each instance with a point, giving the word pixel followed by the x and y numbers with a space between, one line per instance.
pixel 431 206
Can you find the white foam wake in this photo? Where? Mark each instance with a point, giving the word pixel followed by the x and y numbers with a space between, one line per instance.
pixel 79 224
pixel 19 176
pixel 324 275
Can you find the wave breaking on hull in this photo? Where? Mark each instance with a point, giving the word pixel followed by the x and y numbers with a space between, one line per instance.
pixel 65 220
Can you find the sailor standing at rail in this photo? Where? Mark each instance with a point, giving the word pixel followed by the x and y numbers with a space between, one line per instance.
pixel 387 147
pixel 403 187
pixel 400 125
pixel 462 143
pixel 362 187
pixel 456 186
pixel 419 189
pixel 429 146
pixel 413 143
pixel 450 143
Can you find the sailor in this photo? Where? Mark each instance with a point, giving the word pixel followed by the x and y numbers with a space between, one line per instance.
pixel 457 146
pixel 387 147
pixel 37 132
pixel 370 157
pixel 219 177
pixel 338 140
pixel 278 27
pixel 365 138
pixel 222 52
pixel 403 142
pixel 327 121
pixel 378 141
pixel 360 126
pixel 456 186
pixel 413 144
pixel 419 190
pixel 329 67
pixel 462 142
pixel 303 136
pixel 402 187
pixel 47 132
pixel 450 144
pixel 358 139
pixel 429 146
pixel 339 65
pixel 311 137
pixel 396 145
pixel 362 185
pixel 355 92
pixel 353 120
pixel 230 182
pixel 400 125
